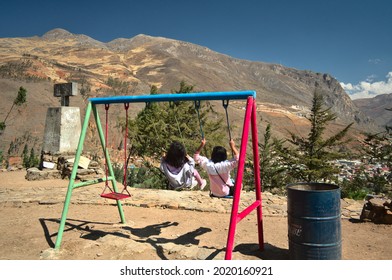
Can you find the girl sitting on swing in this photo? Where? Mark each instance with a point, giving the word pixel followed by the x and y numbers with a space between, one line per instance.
pixel 179 169
pixel 218 168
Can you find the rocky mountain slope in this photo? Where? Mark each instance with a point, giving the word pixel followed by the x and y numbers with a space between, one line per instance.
pixel 131 66
pixel 376 107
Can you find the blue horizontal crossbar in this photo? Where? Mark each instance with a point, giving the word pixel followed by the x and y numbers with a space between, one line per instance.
pixel 230 95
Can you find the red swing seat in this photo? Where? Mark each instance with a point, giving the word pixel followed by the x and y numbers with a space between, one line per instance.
pixel 115 195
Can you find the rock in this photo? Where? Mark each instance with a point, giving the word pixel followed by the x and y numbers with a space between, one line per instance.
pixel 377 210
pixel 83 162
pixel 36 174
pixel 93 164
pixel 388 217
pixel 377 203
pixel 365 215
pixel 49 254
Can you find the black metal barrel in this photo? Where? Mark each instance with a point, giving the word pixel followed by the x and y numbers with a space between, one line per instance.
pixel 314 228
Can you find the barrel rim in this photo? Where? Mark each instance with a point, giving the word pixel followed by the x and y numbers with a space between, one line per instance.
pixel 331 187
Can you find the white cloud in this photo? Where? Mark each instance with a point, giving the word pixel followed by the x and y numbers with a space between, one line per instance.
pixel 368 88
pixel 371 78
pixel 374 60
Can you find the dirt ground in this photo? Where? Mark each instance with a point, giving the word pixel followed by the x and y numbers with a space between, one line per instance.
pixel 28 231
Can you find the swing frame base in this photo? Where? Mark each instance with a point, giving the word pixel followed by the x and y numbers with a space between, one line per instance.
pixel 115 196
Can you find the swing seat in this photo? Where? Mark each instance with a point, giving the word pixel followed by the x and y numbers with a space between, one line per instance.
pixel 115 195
pixel 227 196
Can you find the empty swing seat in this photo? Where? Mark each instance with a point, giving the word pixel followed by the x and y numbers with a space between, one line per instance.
pixel 115 195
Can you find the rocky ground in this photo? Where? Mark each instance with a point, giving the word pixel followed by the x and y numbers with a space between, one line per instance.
pixel 160 225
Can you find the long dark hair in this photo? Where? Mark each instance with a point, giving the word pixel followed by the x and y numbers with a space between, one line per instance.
pixel 176 155
pixel 218 154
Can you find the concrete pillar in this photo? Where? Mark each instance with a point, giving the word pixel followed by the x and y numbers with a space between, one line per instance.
pixel 62 130
pixel 62 127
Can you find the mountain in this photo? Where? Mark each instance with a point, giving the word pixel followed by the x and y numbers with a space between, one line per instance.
pixel 130 66
pixel 376 107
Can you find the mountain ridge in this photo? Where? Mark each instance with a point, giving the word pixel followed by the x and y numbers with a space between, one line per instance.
pixel 131 66
pixel 376 108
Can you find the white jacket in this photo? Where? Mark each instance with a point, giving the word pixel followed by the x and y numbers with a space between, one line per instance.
pixel 183 179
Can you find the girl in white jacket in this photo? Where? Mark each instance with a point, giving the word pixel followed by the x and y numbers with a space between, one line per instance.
pixel 179 168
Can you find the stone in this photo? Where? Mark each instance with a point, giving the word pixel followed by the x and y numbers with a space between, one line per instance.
pixel 83 162
pixel 365 215
pixel 36 174
pixel 93 164
pixel 376 210
pixel 388 217
pixel 354 207
pixel 49 165
pixel 377 203
pixel 49 254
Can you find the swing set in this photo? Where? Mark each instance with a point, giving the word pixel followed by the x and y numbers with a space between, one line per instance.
pixel 112 192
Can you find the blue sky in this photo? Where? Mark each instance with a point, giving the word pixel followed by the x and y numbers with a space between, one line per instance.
pixel 348 39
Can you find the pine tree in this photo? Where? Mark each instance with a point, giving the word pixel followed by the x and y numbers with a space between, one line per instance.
pixel 309 159
pixel 158 124
pixel 10 148
pixel 272 172
pixel 147 129
pixel 373 147
pixel 25 157
pixel 388 146
pixel 19 100
pixel 33 160
pixel 388 128
pixel 377 148
pixel 1 158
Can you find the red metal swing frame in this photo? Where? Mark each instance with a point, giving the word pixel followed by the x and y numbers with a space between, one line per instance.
pixel 250 121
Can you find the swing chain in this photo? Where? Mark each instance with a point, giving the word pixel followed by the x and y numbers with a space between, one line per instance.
pixel 197 107
pixel 197 104
pixel 126 106
pixel 225 104
pixel 114 194
pixel 106 149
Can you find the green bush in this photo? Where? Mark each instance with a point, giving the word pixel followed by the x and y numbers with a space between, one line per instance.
pixel 354 189
pixel 145 176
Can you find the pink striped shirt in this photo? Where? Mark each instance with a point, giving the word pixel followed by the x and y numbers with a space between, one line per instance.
pixel 217 186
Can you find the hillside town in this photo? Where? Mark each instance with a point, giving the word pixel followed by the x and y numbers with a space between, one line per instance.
pixel 350 168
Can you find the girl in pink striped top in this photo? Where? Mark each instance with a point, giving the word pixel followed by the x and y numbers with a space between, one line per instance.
pixel 218 168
